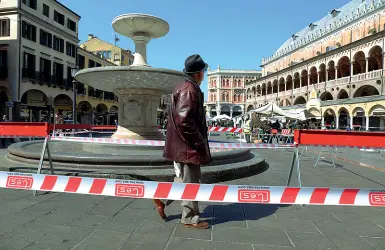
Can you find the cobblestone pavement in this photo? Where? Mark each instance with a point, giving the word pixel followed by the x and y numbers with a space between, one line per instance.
pixel 72 221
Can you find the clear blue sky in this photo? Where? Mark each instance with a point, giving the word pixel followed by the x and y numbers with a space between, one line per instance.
pixel 234 34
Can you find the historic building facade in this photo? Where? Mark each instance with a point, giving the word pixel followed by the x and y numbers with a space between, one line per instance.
pixel 340 55
pixel 38 44
pixel 226 91
pixel 37 54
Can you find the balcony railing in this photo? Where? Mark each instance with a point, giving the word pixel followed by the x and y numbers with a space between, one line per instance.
pixel 99 94
pixel 28 73
pixel 109 96
pixel 343 80
pixel 44 77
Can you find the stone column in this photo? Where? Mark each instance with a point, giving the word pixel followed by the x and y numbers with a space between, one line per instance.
pixel 336 73
pixel 367 122
pixel 231 112
pixel 351 121
pixel 322 121
pixel 337 122
pixel 141 45
pixel 138 114
pixel 367 64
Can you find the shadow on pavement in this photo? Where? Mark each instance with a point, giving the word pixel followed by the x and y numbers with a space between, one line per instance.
pixel 235 212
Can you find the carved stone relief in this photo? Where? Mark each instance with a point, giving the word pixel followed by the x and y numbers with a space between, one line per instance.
pixel 132 113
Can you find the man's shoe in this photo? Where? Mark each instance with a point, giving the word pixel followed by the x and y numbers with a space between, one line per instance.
pixel 159 205
pixel 200 225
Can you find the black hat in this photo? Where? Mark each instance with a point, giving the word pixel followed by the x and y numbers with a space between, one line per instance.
pixel 194 64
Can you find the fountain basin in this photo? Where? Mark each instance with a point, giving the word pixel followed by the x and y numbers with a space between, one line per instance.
pixel 128 162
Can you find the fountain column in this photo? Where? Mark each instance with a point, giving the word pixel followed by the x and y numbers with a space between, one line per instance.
pixel 138 114
pixel 141 41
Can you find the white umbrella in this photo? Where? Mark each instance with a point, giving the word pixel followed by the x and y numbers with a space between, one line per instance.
pixel 221 117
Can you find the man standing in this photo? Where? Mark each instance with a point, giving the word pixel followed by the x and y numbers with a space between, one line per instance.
pixel 186 139
pixel 247 128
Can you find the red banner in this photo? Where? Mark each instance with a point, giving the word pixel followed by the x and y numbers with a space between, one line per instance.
pixel 40 129
pixel 340 138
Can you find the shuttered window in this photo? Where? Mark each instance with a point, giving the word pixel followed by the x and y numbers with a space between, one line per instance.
pixel 4 27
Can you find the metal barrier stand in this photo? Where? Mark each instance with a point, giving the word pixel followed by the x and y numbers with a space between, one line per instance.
pixel 333 155
pixel 41 162
pixel 295 162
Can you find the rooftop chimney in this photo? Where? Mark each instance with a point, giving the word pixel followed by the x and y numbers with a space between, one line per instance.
pixel 90 36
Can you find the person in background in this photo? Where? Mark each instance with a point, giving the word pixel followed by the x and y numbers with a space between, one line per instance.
pixel 348 128
pixel 247 128
pixel 3 140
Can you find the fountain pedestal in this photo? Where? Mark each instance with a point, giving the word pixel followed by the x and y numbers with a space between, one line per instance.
pixel 138 114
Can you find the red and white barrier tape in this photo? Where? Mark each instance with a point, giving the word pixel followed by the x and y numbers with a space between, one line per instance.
pixel 60 133
pixel 334 146
pixel 17 136
pixel 162 143
pixel 224 129
pixel 196 192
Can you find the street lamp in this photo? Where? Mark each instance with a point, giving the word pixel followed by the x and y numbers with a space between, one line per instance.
pixel 74 87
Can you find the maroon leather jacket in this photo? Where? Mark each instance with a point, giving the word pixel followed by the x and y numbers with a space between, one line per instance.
pixel 186 138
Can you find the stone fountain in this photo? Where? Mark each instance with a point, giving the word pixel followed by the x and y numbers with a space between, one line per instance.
pixel 138 88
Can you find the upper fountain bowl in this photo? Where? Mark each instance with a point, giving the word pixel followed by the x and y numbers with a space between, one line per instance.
pixel 131 25
pixel 113 78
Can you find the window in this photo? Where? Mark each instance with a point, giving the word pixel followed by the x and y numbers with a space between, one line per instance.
pixel 58 17
pixel 98 65
pixel 122 58
pixel 81 62
pixel 29 65
pixel 45 38
pixel 45 70
pixel 58 44
pixel 58 73
pixel 28 31
pixel 4 27
pixel 104 54
pixel 45 10
pixel 91 64
pixel 71 49
pixel 3 64
pixel 69 75
pixel 71 25
pixel 30 3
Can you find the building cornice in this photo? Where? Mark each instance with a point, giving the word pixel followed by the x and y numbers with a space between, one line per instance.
pixel 379 35
pixel 233 72
pixel 342 26
pixel 68 9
